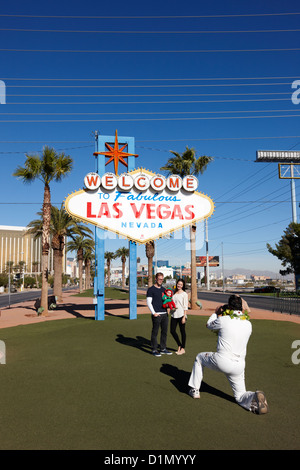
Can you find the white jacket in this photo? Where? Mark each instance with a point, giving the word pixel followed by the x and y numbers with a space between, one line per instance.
pixel 233 335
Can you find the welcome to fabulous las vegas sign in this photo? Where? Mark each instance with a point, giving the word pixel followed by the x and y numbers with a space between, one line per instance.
pixel 139 205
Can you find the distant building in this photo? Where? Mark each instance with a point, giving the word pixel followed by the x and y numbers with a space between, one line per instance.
pixel 167 272
pixel 116 274
pixel 72 268
pixel 259 278
pixel 16 245
pixel 186 272
pixel 239 279
pixel 161 263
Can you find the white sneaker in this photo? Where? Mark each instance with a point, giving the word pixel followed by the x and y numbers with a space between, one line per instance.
pixel 194 393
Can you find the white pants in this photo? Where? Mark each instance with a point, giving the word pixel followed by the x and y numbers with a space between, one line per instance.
pixel 234 371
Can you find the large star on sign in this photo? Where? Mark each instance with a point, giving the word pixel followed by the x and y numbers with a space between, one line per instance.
pixel 116 154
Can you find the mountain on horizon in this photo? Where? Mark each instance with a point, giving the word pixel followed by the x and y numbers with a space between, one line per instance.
pixel 249 272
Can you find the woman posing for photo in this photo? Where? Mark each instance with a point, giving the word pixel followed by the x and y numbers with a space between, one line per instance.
pixel 179 316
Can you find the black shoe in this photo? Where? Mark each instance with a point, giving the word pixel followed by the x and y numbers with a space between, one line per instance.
pixel 165 351
pixel 156 354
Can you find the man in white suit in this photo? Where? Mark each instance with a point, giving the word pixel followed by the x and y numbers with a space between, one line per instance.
pixel 234 330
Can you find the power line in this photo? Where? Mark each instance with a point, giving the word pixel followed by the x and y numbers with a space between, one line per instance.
pixel 154 140
pixel 185 51
pixel 245 214
pixel 153 86
pixel 148 16
pixel 247 180
pixel 150 112
pixel 148 119
pixel 150 102
pixel 77 31
pixel 220 138
pixel 232 234
pixel 153 79
pixel 154 95
pixel 225 202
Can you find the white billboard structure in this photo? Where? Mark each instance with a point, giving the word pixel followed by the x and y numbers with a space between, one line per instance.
pixel 288 168
pixel 139 205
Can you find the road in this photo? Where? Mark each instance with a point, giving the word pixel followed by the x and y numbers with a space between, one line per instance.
pixel 19 297
pixel 254 301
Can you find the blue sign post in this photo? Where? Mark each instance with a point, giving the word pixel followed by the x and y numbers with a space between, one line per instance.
pixel 132 250
pixel 104 148
pixel 99 280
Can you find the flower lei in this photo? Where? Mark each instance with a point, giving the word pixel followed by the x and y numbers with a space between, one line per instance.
pixel 244 316
pixel 227 312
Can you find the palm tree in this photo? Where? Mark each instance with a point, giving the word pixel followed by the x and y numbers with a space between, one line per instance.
pixel 184 165
pixel 123 253
pixel 9 266
pixel 49 167
pixel 79 243
pixel 88 255
pixel 109 256
pixel 150 250
pixel 35 268
pixel 62 225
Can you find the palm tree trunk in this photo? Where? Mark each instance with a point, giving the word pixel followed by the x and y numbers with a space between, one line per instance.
pixel 45 247
pixel 108 272
pixel 123 272
pixel 150 271
pixel 58 247
pixel 80 268
pixel 57 285
pixel 150 251
pixel 193 267
pixel 87 273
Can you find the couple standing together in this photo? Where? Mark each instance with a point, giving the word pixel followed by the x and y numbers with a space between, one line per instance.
pixel 160 315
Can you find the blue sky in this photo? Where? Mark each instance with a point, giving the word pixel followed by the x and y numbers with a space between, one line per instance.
pixel 217 77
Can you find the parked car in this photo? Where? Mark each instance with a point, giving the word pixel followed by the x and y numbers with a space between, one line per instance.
pixel 13 289
pixel 266 290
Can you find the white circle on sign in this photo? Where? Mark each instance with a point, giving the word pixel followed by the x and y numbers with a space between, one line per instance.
pixel 174 183
pixel 158 183
pixel 125 181
pixel 141 182
pixel 190 183
pixel 92 181
pixel 109 181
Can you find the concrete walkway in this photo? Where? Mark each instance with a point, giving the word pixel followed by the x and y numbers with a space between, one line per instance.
pixel 72 307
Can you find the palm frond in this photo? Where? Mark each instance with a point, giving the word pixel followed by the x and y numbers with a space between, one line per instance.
pixel 186 164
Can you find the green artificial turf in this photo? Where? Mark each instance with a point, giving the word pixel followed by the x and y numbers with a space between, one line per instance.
pixel 86 384
pixel 111 293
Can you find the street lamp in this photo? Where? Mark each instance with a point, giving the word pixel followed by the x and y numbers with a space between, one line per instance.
pixel 23 270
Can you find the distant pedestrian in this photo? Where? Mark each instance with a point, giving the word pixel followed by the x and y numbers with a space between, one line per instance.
pixel 159 316
pixel 179 316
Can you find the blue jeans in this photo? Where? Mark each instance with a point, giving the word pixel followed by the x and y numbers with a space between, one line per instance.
pixel 162 322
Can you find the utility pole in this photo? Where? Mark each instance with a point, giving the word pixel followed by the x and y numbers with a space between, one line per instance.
pixel 207 257
pixel 223 273
pixel 293 193
pixel 9 282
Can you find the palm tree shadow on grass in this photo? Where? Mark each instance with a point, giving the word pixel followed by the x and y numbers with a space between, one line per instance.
pixel 180 379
